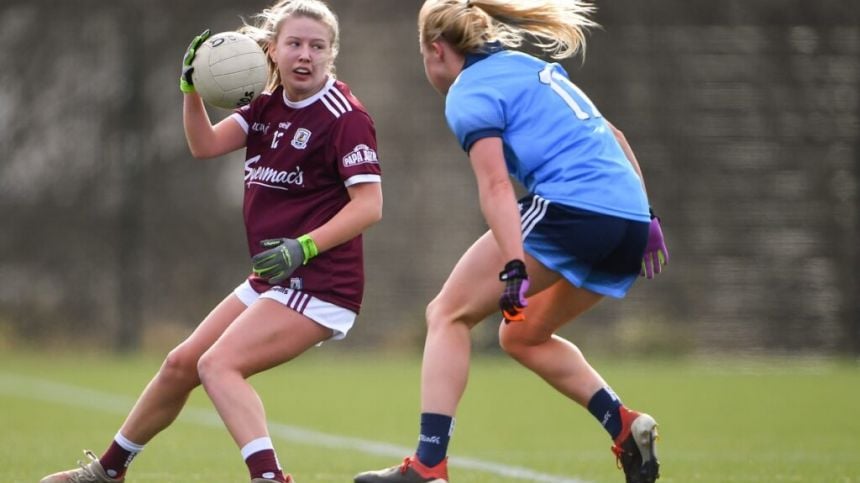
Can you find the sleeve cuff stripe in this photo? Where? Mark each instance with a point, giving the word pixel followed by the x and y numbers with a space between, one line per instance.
pixel 240 120
pixel 363 178
pixel 476 136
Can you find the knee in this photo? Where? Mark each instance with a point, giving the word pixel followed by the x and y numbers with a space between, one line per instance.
pixel 208 368
pixel 517 341
pixel 179 368
pixel 433 314
pixel 508 342
pixel 441 314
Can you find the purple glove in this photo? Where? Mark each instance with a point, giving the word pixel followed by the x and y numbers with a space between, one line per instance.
pixel 513 300
pixel 656 253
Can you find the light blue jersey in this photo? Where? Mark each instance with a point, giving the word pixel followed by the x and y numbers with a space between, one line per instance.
pixel 556 142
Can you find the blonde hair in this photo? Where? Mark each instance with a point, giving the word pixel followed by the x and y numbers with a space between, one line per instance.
pixel 268 24
pixel 557 27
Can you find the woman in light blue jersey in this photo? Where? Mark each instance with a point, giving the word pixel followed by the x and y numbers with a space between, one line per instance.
pixel 583 232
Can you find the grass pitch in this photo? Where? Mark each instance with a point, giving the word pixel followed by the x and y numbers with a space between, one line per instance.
pixel 335 414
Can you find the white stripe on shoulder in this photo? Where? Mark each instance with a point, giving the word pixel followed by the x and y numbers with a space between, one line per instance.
pixel 241 121
pixel 334 100
pixel 331 108
pixel 362 178
pixel 342 97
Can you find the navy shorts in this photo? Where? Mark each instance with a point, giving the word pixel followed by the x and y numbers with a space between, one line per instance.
pixel 598 252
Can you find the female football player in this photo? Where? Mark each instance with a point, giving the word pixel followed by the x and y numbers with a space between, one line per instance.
pixel 579 235
pixel 312 186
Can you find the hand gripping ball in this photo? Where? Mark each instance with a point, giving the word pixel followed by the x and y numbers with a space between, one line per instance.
pixel 229 70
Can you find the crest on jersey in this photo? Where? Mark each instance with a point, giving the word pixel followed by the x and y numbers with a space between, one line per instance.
pixel 301 138
pixel 360 154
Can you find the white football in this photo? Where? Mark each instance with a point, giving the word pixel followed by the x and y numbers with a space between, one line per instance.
pixel 229 70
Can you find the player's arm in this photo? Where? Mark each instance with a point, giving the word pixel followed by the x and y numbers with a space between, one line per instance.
pixel 499 206
pixel 496 195
pixel 204 139
pixel 363 210
pixel 628 151
pixel 656 253
pixel 284 255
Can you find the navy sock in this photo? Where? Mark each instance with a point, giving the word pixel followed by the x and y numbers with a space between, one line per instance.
pixel 436 430
pixel 604 406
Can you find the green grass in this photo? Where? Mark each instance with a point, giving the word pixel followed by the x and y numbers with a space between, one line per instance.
pixel 727 420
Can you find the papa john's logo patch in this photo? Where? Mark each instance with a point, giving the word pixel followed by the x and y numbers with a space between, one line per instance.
pixel 360 154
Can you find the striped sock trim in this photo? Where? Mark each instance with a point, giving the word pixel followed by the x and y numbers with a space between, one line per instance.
pixel 256 446
pixel 127 445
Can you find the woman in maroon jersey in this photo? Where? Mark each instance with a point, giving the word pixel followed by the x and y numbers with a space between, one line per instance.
pixel 312 186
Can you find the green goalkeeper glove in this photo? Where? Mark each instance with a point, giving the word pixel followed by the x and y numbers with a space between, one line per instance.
pixel 186 84
pixel 282 257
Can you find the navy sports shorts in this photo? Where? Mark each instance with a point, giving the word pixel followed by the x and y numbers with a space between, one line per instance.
pixel 598 252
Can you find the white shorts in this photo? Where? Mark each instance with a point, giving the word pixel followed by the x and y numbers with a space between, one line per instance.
pixel 326 314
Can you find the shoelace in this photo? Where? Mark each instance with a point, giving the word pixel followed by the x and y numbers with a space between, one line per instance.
pixel 404 467
pixel 86 472
pixel 618 450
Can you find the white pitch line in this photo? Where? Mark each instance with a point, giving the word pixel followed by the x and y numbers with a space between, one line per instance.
pixel 64 394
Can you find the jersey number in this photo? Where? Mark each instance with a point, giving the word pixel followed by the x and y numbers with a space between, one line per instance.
pixel 568 91
pixel 276 138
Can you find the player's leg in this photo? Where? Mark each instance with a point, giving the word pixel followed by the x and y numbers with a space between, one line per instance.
pixel 597 255
pixel 534 344
pixel 470 294
pixel 266 335
pixel 167 393
pixel 160 402
pixel 464 300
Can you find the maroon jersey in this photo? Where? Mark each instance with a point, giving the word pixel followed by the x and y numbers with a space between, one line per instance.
pixel 301 157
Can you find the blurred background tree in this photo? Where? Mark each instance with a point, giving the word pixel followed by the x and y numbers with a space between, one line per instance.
pixel 745 116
